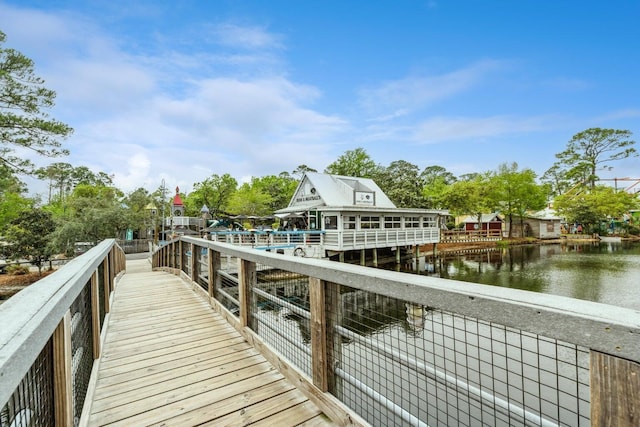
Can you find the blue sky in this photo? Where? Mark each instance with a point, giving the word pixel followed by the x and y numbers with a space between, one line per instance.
pixel 184 89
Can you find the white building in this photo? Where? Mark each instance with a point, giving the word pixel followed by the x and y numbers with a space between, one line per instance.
pixel 354 214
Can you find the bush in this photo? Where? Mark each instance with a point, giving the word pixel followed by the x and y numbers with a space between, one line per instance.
pixel 17 270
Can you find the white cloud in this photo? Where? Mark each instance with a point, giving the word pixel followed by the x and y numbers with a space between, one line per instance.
pixel 415 92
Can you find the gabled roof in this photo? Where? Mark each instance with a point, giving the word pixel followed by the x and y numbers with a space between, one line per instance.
pixel 318 189
pixel 491 217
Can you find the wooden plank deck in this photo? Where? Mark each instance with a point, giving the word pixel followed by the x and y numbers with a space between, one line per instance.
pixel 170 359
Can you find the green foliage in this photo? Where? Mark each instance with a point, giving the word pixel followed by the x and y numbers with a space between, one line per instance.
pixel 251 200
pixel 23 123
pixel 589 151
pixel 92 213
pixel 515 193
pixel 301 170
pixel 215 192
pixel 354 163
pixel 592 208
pixel 28 237
pixel 401 182
pixel 17 270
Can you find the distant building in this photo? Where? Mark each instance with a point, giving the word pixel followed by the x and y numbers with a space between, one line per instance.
pixel 544 224
pixel 354 214
pixel 492 222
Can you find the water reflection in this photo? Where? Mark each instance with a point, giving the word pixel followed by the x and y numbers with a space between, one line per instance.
pixel 601 272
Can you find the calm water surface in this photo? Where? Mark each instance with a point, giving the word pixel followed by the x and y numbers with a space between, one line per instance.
pixel 603 272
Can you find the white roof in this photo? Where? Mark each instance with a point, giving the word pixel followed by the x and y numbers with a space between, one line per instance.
pixel 318 189
pixel 491 217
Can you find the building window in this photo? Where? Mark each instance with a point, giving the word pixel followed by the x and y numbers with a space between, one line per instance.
pixel 349 222
pixel 429 221
pixel 331 222
pixel 412 222
pixel 369 222
pixel 392 222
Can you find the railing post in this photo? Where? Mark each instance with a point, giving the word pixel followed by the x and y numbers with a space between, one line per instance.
pixel 247 280
pixel 615 391
pixel 62 372
pixel 95 315
pixel 214 266
pixel 319 334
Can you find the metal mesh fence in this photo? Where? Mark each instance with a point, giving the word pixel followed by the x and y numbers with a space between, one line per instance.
pixel 282 314
pixel 32 402
pixel 402 364
pixel 101 293
pixel 203 269
pixel 81 349
pixel 226 287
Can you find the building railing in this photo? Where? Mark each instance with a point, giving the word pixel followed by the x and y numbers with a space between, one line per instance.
pixel 402 349
pixel 50 337
pixel 470 235
pixel 336 240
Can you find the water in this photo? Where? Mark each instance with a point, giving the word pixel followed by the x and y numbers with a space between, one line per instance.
pixel 602 272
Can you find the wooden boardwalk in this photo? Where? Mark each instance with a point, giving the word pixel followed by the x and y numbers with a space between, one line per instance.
pixel 170 359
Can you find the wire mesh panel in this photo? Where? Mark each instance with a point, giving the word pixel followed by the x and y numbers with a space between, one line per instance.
pixel 226 285
pixel 203 269
pixel 31 404
pixel 81 349
pixel 404 364
pixel 282 314
pixel 101 298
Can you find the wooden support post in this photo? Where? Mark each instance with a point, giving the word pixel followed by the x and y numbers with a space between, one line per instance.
pixel 398 255
pixel 615 391
pixel 435 249
pixel 62 372
pixel 247 280
pixel 363 257
pixel 341 257
pixel 214 277
pixel 319 359
pixel 95 315
pixel 375 257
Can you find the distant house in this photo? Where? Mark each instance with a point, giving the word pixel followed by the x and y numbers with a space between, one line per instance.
pixel 492 222
pixel 544 224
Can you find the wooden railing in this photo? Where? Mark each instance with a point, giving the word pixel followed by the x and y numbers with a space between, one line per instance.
pixel 451 352
pixel 50 337
pixel 447 236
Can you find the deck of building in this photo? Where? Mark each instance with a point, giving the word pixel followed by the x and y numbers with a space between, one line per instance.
pixel 170 359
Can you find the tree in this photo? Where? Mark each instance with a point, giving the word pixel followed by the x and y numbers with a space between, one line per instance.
pixel 93 213
pixel 591 150
pixel 23 122
pixel 302 169
pixel 595 207
pixel 280 188
pixel 12 201
pixel 28 237
pixel 401 182
pixel 468 197
pixel 435 180
pixel 436 173
pixel 250 200
pixel 354 163
pixel 515 193
pixel 215 192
